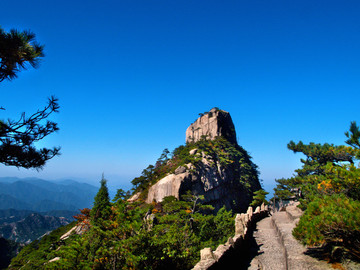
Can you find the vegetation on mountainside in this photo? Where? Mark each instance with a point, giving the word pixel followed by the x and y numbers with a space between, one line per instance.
pixel 329 181
pixel 259 198
pixel 166 235
pixel 219 150
pixel 210 113
pixel 38 252
pixel 102 208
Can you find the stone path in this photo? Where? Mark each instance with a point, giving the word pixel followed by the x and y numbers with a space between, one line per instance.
pixel 271 252
pixel 278 249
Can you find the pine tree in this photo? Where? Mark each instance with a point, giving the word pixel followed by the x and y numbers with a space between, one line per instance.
pixel 17 50
pixel 17 138
pixel 353 136
pixel 330 191
pixel 102 208
pixel 259 198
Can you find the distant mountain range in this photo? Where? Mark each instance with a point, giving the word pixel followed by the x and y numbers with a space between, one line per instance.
pixel 42 195
pixel 31 207
pixel 12 215
pixel 31 227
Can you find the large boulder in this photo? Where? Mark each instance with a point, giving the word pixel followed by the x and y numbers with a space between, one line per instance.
pixel 167 186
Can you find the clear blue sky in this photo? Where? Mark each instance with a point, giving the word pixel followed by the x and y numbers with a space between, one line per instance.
pixel 132 75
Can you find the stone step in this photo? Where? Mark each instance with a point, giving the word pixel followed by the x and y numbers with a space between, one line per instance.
pixel 271 253
pixel 296 259
pixel 293 212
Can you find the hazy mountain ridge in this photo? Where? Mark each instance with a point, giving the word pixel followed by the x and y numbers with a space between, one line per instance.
pixel 41 195
pixel 31 207
pixel 8 201
pixel 13 215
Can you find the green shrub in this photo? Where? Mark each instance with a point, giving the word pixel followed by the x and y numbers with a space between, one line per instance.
pixel 330 219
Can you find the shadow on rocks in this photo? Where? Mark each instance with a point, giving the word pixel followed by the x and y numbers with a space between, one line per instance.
pixel 240 256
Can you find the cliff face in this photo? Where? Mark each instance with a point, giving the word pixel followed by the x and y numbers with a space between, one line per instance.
pixel 213 124
pixel 218 167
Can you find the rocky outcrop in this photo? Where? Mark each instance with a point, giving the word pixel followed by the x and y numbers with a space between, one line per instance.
pixel 78 229
pixel 213 124
pixel 54 260
pixel 168 186
pixel 224 178
pixel 216 182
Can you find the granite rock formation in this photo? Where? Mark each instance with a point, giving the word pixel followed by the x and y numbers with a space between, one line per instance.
pixel 215 123
pixel 228 181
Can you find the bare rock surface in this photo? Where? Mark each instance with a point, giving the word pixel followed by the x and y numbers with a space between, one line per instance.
pixel 210 179
pixel 168 186
pixel 180 169
pixel 79 229
pixel 55 259
pixel 67 234
pixel 212 124
pixel 134 197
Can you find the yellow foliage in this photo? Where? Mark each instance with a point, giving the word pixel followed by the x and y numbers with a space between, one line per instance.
pixel 325 185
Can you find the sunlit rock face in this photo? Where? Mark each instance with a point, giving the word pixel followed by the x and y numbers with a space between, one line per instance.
pixel 218 182
pixel 210 179
pixel 168 186
pixel 214 123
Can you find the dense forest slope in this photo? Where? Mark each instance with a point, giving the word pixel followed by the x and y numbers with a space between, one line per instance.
pixel 178 206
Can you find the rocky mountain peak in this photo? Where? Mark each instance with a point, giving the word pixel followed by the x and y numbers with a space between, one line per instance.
pixel 212 124
pixel 217 168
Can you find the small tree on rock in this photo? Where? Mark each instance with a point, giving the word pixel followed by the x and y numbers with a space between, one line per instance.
pixel 259 198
